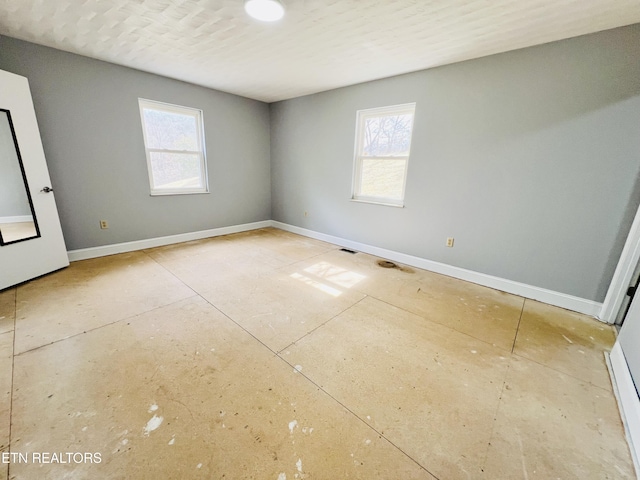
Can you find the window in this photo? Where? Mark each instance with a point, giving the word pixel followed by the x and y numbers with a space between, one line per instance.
pixel 174 143
pixel 383 142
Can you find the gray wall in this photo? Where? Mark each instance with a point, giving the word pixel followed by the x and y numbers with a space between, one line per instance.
pixel 88 115
pixel 13 195
pixel 529 159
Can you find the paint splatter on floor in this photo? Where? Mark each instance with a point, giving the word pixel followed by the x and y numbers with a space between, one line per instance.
pixel 567 339
pixel 292 424
pixel 153 424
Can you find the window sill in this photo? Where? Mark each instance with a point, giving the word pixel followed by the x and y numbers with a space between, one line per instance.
pixel 164 194
pixel 376 202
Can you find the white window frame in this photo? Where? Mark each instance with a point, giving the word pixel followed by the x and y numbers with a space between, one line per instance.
pixel 192 112
pixel 359 157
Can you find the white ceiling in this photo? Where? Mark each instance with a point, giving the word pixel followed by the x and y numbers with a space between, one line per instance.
pixel 319 45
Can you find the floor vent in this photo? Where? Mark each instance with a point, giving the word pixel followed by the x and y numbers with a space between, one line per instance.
pixel 347 250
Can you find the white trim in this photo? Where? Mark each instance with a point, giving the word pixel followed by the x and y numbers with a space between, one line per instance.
pixel 16 219
pixel 94 252
pixel 360 200
pixel 550 297
pixel 624 271
pixel 628 401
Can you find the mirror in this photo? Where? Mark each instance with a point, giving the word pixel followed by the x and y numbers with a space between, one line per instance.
pixel 17 217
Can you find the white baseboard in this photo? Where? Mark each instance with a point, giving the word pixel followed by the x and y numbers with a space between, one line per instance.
pixel 550 297
pixel 16 219
pixel 94 252
pixel 628 401
pixel 576 304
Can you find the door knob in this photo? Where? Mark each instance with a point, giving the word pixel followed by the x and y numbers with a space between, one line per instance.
pixel 47 189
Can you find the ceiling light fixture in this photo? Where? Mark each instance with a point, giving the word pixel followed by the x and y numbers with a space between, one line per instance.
pixel 264 10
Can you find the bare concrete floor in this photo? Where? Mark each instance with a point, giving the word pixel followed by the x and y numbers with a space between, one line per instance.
pixel 266 355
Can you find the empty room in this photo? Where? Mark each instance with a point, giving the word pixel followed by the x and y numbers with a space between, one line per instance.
pixel 319 239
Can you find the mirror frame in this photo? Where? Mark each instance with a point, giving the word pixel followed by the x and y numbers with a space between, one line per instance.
pixel 26 186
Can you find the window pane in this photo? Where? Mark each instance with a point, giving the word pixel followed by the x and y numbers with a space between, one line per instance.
pixel 387 135
pixel 382 178
pixel 170 131
pixel 176 170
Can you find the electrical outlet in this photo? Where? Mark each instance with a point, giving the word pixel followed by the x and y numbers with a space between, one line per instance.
pixel 450 242
pixel 104 224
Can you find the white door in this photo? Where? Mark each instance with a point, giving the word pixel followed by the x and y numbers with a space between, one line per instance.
pixel 629 340
pixel 625 364
pixel 31 241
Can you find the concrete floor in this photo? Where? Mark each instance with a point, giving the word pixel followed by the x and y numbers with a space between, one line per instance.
pixel 266 355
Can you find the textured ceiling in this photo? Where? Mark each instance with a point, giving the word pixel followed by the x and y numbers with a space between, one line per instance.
pixel 319 45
